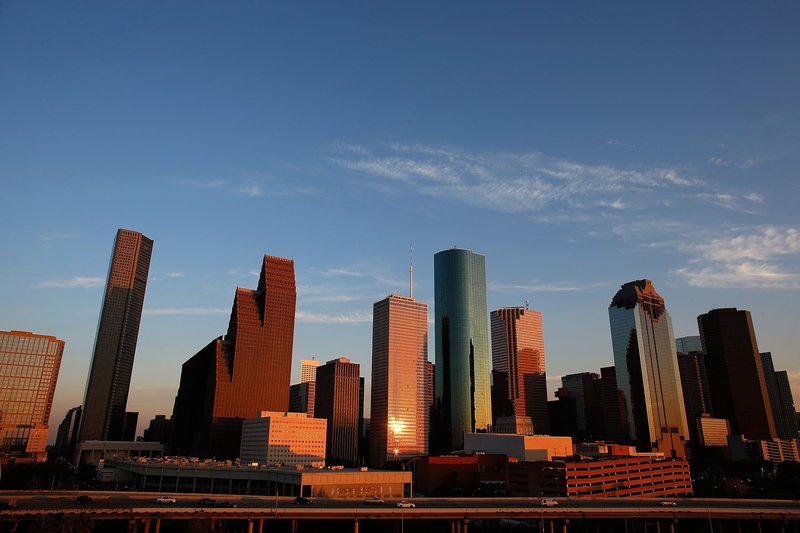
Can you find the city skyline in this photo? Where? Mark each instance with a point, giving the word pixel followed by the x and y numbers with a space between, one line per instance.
pixel 575 147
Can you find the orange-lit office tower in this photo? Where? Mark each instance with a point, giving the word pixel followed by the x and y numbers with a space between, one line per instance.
pixel 117 332
pixel 399 417
pixel 247 371
pixel 29 367
pixel 518 366
pixel 337 400
pixel 308 370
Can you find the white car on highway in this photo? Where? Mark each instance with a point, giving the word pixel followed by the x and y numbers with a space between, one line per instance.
pixel 405 504
pixel 165 499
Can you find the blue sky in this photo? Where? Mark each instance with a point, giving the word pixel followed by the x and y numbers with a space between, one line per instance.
pixel 578 146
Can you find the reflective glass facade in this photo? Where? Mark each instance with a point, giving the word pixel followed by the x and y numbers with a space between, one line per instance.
pixel 463 401
pixel 117 333
pixel 399 424
pixel 647 369
pixel 518 366
pixel 29 367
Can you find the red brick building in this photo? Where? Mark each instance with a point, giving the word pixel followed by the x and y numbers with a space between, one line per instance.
pixel 247 371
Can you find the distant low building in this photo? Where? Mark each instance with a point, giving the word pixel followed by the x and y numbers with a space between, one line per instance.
pixel 95 451
pixel 287 439
pixel 224 477
pixel 776 450
pixel 457 475
pixel 712 431
pixel 159 430
pixel 515 425
pixel 520 447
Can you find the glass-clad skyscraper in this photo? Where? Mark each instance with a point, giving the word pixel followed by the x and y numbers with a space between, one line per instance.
pixel 399 425
pixel 29 365
pixel 647 369
pixel 463 402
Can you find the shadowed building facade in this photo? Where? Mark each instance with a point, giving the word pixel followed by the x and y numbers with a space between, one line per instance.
pixel 117 333
pixel 29 366
pixel 338 400
pixel 647 369
pixel 780 398
pixel 463 392
pixel 399 424
pixel 247 371
pixel 735 373
pixel 519 382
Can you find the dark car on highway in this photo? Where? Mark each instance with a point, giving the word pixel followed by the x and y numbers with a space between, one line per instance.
pixel 302 500
pixel 83 498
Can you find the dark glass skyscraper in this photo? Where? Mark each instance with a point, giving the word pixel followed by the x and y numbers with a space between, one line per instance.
pixel 780 398
pixel 243 373
pixel 117 333
pixel 463 393
pixel 735 373
pixel 338 400
pixel 647 369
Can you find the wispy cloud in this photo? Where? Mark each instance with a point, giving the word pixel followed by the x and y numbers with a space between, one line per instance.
pixel 537 286
pixel 187 311
pixel 615 142
pixel 731 201
pixel 519 182
pixel 175 274
pixel 341 318
pixel 252 185
pixel 251 190
pixel 77 282
pixel 211 184
pixel 754 260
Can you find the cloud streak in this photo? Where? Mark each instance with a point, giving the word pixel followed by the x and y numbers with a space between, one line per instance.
pixel 525 182
pixel 77 282
pixel 183 311
pixel 754 260
pixel 340 318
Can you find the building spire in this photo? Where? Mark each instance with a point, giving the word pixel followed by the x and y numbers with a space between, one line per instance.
pixel 411 271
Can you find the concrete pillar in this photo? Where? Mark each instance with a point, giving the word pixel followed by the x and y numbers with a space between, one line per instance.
pixel 355 526
pixel 466 522
pixel 249 526
pixel 260 525
pixel 158 525
pixel 672 526
pixel 294 526
pixel 146 524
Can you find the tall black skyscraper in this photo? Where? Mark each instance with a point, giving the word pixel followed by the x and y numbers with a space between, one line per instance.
pixel 117 333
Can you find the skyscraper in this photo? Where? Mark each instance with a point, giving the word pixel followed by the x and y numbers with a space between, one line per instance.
pixel 308 370
pixel 780 398
pixel 247 371
pixel 29 365
pixel 399 424
pixel 338 390
pixel 735 373
pixel 117 332
pixel 647 369
pixel 518 367
pixel 463 394
pixel 694 382
pixel 585 388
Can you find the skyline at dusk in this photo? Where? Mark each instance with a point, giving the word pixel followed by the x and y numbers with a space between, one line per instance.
pixel 577 147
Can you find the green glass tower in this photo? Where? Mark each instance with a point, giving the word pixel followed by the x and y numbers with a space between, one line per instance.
pixel 463 401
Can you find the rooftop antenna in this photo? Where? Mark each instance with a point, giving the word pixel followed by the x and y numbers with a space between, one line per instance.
pixel 526 304
pixel 411 271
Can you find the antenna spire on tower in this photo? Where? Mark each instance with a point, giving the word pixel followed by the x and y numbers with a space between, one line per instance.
pixel 411 271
